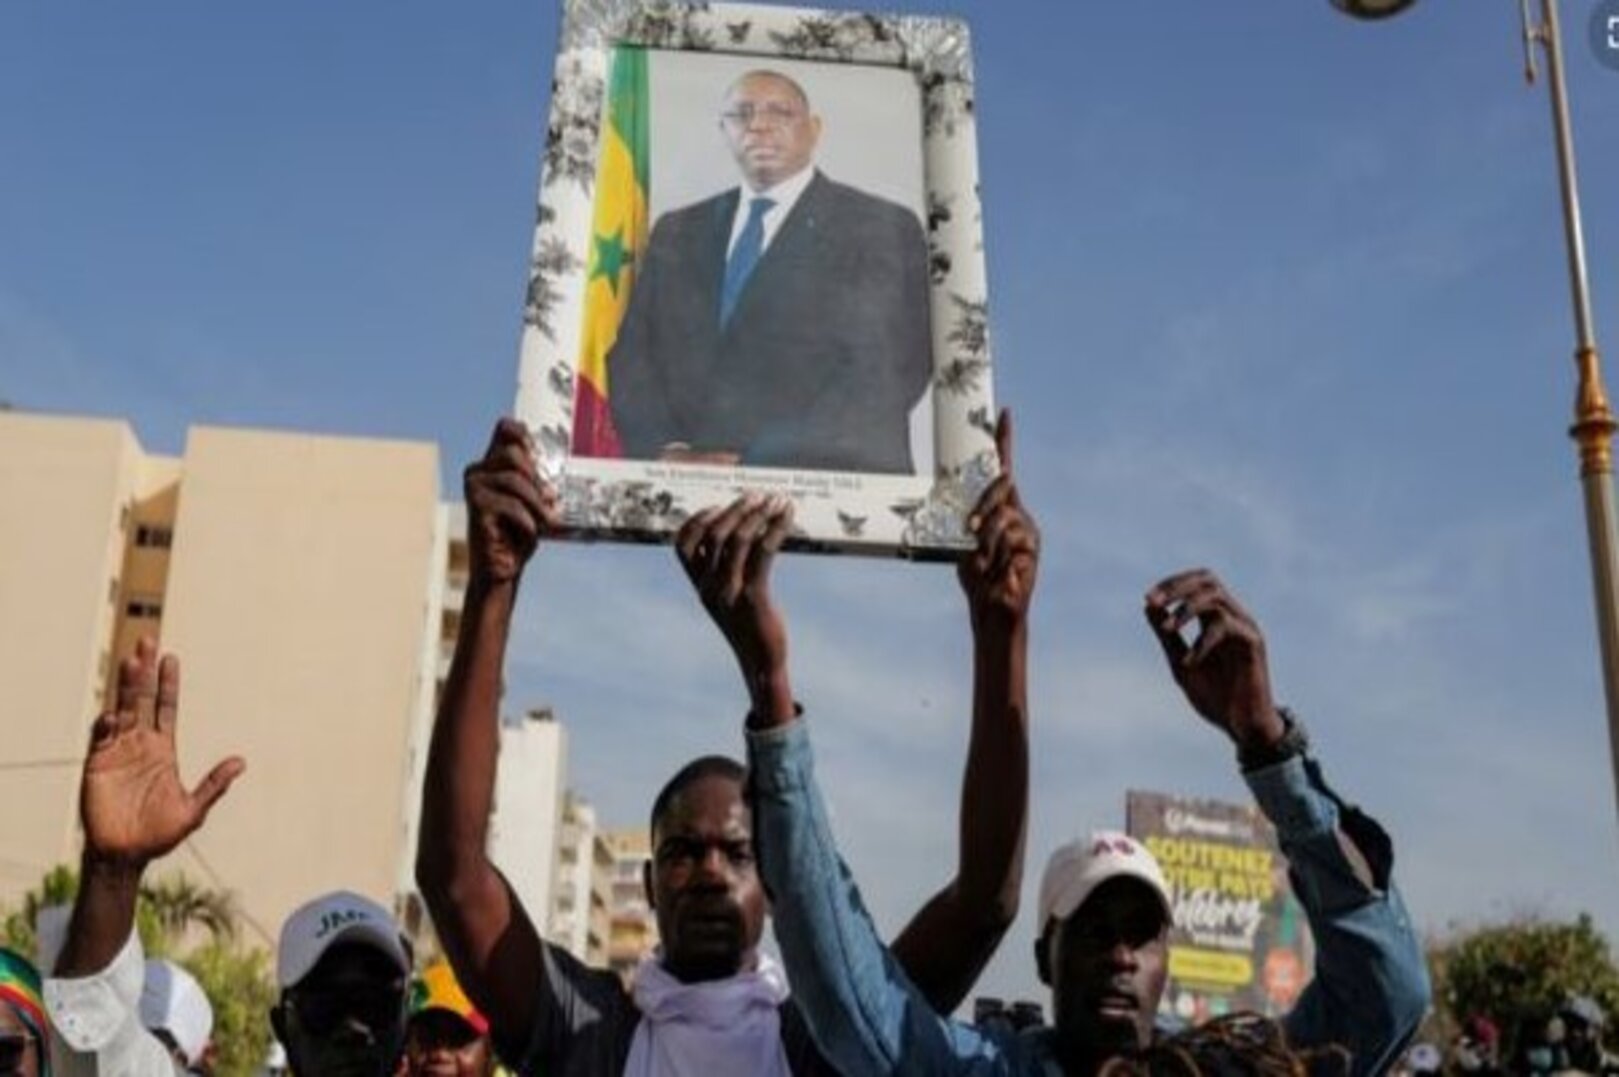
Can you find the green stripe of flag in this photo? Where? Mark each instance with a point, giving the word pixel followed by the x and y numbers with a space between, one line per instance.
pixel 630 108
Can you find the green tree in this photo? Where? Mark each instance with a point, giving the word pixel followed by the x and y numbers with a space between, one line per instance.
pixel 170 914
pixel 1519 972
pixel 238 983
pixel 58 887
pixel 181 906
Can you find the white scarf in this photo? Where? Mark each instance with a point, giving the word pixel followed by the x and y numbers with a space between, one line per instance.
pixel 712 1029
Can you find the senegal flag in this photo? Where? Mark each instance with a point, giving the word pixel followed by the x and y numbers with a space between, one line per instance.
pixel 618 235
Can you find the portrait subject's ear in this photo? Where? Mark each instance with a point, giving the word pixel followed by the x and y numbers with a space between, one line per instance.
pixel 646 884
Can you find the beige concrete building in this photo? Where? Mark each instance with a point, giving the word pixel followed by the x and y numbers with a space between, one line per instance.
pixel 527 817
pixel 580 921
pixel 438 648
pixel 301 579
pixel 70 491
pixel 633 927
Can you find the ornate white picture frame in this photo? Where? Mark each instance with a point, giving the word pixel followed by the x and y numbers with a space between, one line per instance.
pixel 886 512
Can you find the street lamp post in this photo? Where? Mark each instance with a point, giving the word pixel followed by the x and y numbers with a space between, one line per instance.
pixel 1594 424
pixel 1593 420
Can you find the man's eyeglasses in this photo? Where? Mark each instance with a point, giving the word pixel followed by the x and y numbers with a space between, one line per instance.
pixel 768 115
pixel 13 1048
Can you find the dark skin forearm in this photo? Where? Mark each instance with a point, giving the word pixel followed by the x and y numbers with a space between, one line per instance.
pixel 951 938
pixel 460 784
pixel 103 915
pixel 1225 673
pixel 770 693
pixel 995 792
pixel 494 948
pixel 949 941
pixel 492 944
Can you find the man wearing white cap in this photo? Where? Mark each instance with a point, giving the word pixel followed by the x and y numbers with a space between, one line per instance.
pixel 1118 887
pixel 1105 913
pixel 342 964
pixel 343 969
pixel 175 1009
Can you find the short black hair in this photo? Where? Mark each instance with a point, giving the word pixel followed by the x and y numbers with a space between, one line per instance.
pixel 1238 1045
pixel 708 766
pixel 768 73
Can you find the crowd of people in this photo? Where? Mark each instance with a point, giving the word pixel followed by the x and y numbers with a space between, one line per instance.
pixel 1568 1040
pixel 732 844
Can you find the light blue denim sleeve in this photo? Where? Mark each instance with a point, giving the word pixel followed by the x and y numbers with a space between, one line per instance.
pixel 1370 989
pixel 865 1015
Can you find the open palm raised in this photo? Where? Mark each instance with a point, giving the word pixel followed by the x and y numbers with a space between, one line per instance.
pixel 131 801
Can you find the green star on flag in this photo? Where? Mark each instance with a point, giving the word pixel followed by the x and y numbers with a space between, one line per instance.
pixel 612 257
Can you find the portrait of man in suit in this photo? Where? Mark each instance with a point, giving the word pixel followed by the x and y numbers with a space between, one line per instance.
pixel 783 322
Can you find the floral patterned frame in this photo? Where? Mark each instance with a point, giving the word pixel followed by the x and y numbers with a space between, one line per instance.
pixel 642 501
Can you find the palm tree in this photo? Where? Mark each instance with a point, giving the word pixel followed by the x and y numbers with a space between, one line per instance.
pixel 168 911
pixel 181 905
pixel 58 887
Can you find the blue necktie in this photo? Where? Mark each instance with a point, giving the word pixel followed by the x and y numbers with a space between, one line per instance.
pixel 744 256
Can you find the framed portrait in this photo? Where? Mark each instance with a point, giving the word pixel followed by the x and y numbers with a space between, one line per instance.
pixel 758 266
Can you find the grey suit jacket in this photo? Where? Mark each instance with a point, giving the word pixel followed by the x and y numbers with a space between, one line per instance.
pixel 827 351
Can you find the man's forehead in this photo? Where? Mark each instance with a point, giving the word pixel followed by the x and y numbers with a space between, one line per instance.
pixel 764 85
pixel 712 804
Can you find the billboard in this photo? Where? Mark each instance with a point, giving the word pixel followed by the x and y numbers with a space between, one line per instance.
pixel 1239 941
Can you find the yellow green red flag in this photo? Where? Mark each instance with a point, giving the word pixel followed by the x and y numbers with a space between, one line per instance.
pixel 618 235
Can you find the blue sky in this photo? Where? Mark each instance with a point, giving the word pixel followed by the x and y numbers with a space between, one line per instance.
pixel 1272 291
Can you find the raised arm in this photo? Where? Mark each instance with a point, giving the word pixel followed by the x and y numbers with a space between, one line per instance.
pixel 1371 988
pixel 491 942
pixel 134 809
pixel 949 941
pixel 862 1010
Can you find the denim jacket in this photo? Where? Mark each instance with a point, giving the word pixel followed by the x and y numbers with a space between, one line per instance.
pixel 1369 992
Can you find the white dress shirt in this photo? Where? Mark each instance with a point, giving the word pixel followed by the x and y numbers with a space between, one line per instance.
pixel 785 194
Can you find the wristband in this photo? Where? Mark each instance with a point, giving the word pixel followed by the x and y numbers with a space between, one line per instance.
pixel 1295 741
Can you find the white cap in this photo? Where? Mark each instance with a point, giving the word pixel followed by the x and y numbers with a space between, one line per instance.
pixel 1424 1058
pixel 1078 868
pixel 50 935
pixel 340 916
pixel 173 1001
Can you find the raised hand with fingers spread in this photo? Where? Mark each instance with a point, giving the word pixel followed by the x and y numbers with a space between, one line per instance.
pixel 133 805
